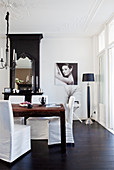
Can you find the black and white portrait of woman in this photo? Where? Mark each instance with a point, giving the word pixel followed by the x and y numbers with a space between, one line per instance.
pixel 66 74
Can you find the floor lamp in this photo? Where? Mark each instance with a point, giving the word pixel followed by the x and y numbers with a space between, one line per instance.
pixel 88 77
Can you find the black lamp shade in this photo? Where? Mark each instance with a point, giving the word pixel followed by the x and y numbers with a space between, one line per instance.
pixel 88 77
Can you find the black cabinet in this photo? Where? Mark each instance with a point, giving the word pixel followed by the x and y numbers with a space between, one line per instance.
pixel 24 87
pixel 26 45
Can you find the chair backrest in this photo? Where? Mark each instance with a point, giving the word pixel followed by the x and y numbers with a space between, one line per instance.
pixel 37 98
pixel 16 99
pixel 6 119
pixel 69 116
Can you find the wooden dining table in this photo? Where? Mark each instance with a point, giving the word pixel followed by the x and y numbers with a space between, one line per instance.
pixel 43 111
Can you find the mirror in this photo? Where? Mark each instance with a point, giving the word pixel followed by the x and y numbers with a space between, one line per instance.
pixel 23 74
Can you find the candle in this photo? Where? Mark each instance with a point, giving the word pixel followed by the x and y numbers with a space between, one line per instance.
pixel 37 81
pixel 1 53
pixel 13 54
pixel 15 57
pixel 39 90
pixel 32 80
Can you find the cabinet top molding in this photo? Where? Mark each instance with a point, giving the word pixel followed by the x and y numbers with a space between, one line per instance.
pixel 26 36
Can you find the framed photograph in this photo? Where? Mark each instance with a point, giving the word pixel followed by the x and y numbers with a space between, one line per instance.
pixel 66 73
pixel 7 90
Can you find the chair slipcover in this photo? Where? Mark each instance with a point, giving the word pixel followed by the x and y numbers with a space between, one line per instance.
pixel 14 138
pixel 54 126
pixel 16 100
pixel 39 125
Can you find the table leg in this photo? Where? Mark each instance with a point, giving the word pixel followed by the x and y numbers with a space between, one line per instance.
pixel 25 118
pixel 63 132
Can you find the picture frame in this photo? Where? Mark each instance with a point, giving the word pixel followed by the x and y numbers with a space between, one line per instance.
pixel 7 90
pixel 66 73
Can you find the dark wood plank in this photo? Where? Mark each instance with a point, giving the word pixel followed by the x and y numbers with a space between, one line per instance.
pixel 93 150
pixel 37 111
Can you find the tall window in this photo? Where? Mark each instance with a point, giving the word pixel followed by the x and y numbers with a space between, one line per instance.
pixel 111 31
pixel 106 65
pixel 111 74
pixel 102 79
pixel 111 88
pixel 101 41
pixel 102 87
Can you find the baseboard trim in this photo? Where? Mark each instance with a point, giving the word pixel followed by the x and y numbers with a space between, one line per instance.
pixel 102 124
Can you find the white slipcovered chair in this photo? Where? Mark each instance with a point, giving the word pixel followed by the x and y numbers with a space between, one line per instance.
pixel 14 138
pixel 54 126
pixel 16 100
pixel 39 125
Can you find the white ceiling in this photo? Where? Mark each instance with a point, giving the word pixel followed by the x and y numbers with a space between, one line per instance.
pixel 73 17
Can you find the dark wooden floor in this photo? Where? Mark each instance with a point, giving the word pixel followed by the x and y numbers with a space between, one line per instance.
pixel 93 150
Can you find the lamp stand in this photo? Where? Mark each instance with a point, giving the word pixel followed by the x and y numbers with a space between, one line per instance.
pixel 88 121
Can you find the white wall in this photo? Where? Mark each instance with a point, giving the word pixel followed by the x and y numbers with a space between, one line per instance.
pixel 4 73
pixel 23 63
pixel 67 49
pixel 4 82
